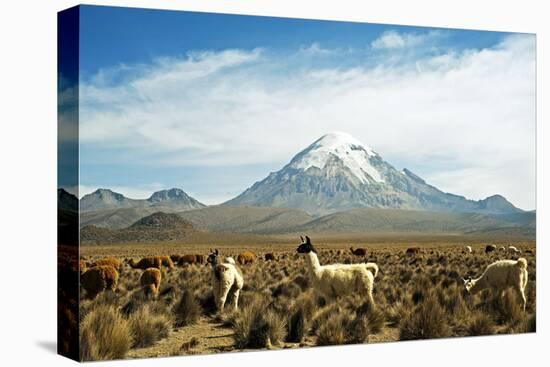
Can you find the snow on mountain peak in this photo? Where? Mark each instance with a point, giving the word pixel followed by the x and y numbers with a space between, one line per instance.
pixel 354 154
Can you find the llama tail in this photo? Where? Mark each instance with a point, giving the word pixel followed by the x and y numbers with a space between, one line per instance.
pixel 373 268
pixel 522 263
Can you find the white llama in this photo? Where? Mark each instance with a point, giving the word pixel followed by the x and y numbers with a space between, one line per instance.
pixel 338 280
pixel 500 276
pixel 227 281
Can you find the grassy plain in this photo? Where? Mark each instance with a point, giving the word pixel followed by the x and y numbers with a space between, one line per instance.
pixel 417 296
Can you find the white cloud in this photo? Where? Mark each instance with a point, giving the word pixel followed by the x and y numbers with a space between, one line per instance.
pixel 394 40
pixel 469 113
pixel 315 49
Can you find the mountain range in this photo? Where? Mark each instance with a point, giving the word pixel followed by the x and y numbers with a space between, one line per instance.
pixel 102 199
pixel 335 185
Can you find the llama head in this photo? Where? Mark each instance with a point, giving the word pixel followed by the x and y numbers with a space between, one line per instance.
pixel 306 246
pixel 213 257
pixel 468 283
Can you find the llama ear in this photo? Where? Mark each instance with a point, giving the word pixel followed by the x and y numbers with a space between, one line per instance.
pixel 216 252
pixel 302 238
pixel 308 241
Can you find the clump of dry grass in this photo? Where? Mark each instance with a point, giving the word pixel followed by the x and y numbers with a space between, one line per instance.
pixel 148 327
pixel 257 328
pixel 299 317
pixel 508 308
pixel 375 317
pixel 104 335
pixel 208 303
pixel 393 313
pixel 297 326
pixel 343 327
pixel 428 320
pixel 480 324
pixel 187 310
pixel 322 315
pixel 332 331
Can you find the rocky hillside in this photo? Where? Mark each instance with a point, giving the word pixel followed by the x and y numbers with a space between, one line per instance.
pixel 155 227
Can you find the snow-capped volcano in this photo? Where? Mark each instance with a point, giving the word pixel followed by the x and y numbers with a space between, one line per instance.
pixel 337 172
pixel 351 152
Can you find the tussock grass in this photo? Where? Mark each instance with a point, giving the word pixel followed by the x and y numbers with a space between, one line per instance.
pixel 428 320
pixel 104 335
pixel 148 327
pixel 187 310
pixel 256 327
pixel 480 324
pixel 508 308
pixel 297 326
pixel 343 327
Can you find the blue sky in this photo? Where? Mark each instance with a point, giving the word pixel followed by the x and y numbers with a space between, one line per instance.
pixel 112 35
pixel 212 103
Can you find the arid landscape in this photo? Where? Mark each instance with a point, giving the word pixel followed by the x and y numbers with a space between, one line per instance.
pixel 417 295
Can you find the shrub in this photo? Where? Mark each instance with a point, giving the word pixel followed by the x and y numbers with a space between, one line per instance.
pixel 375 317
pixel 394 313
pixel 277 327
pixel 168 294
pixel 343 328
pixel 148 327
pixel 208 303
pixel 104 334
pixel 296 326
pixel 357 330
pixel 480 324
pixel 286 289
pixel 321 317
pixel 507 308
pixel 135 302
pixel 302 282
pixel 332 332
pixel 257 328
pixel 187 310
pixel 426 322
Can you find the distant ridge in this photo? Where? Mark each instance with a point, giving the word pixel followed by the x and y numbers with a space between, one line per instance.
pixel 278 221
pixel 155 227
pixel 103 199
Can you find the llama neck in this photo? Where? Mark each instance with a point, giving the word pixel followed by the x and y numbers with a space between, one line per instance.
pixel 214 264
pixel 313 264
pixel 479 284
